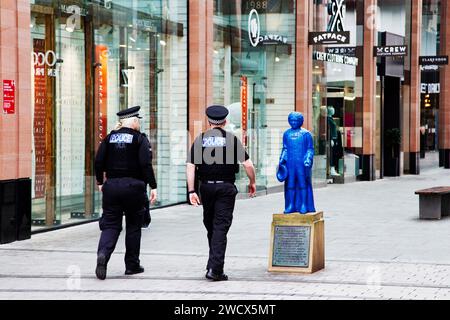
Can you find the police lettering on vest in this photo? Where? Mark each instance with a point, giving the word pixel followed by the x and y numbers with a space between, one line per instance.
pixel 216 155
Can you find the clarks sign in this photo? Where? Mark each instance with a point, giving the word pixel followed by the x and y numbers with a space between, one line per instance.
pixel 433 60
pixel 391 51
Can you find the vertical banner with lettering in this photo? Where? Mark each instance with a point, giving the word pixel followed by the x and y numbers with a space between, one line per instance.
pixel 101 91
pixel 9 96
pixel 40 100
pixel 244 106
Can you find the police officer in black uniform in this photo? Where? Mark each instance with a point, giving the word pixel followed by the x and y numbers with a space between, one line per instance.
pixel 214 157
pixel 126 157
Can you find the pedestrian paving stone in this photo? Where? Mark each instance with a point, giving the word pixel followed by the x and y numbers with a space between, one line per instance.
pixel 376 248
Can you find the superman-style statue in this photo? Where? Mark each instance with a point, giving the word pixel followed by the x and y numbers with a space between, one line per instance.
pixel 295 168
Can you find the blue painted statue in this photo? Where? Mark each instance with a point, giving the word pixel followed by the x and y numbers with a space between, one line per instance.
pixel 295 168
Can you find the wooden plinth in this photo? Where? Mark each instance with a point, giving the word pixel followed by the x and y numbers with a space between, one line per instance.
pixel 299 243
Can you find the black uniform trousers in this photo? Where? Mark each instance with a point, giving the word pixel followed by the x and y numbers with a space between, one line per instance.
pixel 218 205
pixel 122 195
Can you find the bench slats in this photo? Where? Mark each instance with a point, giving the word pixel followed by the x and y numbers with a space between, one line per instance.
pixel 434 191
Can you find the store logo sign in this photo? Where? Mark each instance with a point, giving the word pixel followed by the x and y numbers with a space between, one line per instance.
pixel 335 33
pixel 316 38
pixel 430 88
pixel 254 32
pixel 391 51
pixel 254 28
pixel 48 58
pixel 433 60
pixel 335 58
pixel 336 11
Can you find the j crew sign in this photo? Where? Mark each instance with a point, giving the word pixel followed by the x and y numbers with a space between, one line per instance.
pixel 391 51
pixel 335 33
pixel 254 32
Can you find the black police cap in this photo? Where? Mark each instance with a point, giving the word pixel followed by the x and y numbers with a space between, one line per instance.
pixel 217 114
pixel 129 113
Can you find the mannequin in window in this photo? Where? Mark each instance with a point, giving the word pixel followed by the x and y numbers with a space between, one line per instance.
pixel 335 142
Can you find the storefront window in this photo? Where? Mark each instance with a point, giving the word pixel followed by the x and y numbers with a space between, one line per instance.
pixel 92 59
pixel 430 78
pixel 338 134
pixel 254 76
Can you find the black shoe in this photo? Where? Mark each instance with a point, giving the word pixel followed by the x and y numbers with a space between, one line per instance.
pixel 130 272
pixel 216 277
pixel 100 271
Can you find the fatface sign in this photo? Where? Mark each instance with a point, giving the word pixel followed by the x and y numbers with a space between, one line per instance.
pixel 391 51
pixel 316 38
pixel 254 32
pixel 433 60
pixel 335 58
pixel 335 33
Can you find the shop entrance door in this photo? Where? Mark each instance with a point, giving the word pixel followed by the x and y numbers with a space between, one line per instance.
pixel 390 126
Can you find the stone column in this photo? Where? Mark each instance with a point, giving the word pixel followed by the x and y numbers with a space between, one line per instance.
pixel 15 64
pixel 444 108
pixel 200 63
pixel 366 85
pixel 411 90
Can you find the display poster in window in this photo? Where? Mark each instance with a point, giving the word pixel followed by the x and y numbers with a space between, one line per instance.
pixel 244 106
pixel 9 96
pixel 101 91
pixel 40 101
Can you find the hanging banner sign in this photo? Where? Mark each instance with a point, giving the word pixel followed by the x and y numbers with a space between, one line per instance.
pixel 244 111
pixel 39 132
pixel 335 58
pixel 433 61
pixel 101 91
pixel 9 96
pixel 391 51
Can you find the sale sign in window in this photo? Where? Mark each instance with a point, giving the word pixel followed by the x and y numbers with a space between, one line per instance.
pixel 9 96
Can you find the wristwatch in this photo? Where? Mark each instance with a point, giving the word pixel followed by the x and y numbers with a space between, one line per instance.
pixel 191 192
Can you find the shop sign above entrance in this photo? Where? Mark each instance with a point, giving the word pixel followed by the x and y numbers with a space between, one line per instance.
pixel 433 60
pixel 346 51
pixel 316 38
pixel 391 51
pixel 254 32
pixel 336 10
pixel 335 33
pixel 335 58
pixel 427 88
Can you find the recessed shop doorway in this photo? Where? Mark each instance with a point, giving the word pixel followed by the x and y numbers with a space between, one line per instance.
pixel 391 72
pixel 390 126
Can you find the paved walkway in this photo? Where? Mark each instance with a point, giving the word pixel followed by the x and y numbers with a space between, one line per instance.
pixel 376 248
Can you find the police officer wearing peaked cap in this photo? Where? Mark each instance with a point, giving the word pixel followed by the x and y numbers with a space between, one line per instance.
pixel 125 157
pixel 215 157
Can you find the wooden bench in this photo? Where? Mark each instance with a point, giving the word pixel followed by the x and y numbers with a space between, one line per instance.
pixel 434 202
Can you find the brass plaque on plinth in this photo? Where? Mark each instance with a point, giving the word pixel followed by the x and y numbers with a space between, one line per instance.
pixel 297 243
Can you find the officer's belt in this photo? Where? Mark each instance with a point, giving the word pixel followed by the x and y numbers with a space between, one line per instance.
pixel 215 182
